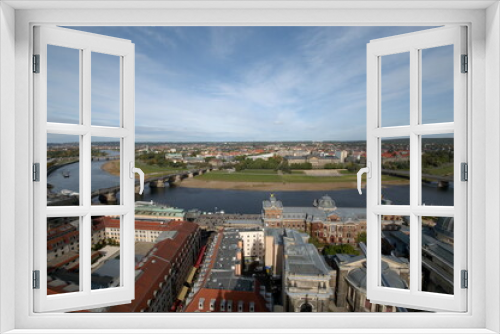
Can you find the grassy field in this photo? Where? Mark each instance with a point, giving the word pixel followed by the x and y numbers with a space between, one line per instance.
pixel 156 170
pixel 246 176
pixel 255 171
pixel 113 167
pixel 441 171
pixel 249 175
pixel 239 177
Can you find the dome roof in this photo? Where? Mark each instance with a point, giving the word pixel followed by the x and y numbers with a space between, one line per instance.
pixel 357 277
pixel 390 278
pixel 327 203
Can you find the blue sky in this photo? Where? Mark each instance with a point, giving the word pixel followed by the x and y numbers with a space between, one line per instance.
pixel 257 83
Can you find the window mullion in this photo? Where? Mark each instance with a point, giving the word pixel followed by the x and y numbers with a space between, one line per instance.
pixel 415 88
pixel 86 140
pixel 86 253
pixel 66 129
pixel 434 129
pixel 85 194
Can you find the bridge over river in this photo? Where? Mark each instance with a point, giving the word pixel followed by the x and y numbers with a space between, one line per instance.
pixel 442 180
pixel 109 194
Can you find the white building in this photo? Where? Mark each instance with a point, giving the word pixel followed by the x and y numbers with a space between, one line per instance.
pixel 341 155
pixel 253 243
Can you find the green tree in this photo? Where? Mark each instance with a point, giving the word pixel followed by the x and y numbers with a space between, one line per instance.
pixel 361 238
pixel 340 249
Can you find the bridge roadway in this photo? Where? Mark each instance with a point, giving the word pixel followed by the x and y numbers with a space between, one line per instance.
pixel 154 182
pixel 426 177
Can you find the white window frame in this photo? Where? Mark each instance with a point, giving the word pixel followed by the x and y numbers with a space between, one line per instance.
pixel 484 104
pixel 86 44
pixel 412 44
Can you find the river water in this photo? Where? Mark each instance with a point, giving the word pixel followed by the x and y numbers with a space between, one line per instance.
pixel 240 201
pixel 99 179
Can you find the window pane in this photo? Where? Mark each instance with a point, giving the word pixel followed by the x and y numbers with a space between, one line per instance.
pixel 437 254
pixel 105 170
pixel 105 256
pixel 395 160
pixel 437 84
pixel 63 169
pixel 63 85
pixel 395 89
pixel 105 89
pixel 395 250
pixel 437 170
pixel 63 255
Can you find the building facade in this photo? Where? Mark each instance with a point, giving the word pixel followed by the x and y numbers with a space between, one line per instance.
pixel 220 285
pixel 160 275
pixel 306 278
pixel 323 220
pixel 349 281
pixel 253 243
pixel 151 211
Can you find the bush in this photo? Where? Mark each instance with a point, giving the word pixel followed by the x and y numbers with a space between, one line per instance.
pixel 361 238
pixel 340 249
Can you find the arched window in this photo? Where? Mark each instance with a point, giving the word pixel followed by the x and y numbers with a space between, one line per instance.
pixel 306 307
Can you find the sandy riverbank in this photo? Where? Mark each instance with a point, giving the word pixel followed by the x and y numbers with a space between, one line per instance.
pixel 272 186
pixel 113 168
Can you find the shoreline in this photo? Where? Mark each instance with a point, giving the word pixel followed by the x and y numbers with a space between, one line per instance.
pixel 110 168
pixel 273 186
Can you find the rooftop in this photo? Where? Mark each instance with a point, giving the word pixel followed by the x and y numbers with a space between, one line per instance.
pixel 149 208
pixel 302 258
pixel 357 276
pixel 153 268
pixel 272 202
pixel 235 222
pixel 222 274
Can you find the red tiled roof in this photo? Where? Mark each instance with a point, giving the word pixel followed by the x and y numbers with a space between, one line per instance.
pixel 157 264
pixel 388 155
pixel 143 224
pixel 65 261
pixel 153 273
pixel 61 234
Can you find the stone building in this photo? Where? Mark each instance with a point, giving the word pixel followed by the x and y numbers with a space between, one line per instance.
pixel 220 285
pixel 437 251
pixel 349 281
pixel 316 161
pixel 341 155
pixel 438 256
pixel 324 220
pixel 151 211
pixel 273 260
pixel 253 243
pixel 160 275
pixel 145 230
pixel 276 215
pixel 306 278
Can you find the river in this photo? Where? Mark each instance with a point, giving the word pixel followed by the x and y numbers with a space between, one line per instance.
pixel 240 201
pixel 99 178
